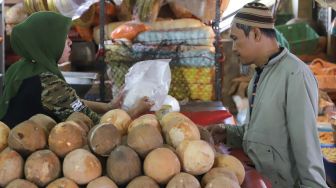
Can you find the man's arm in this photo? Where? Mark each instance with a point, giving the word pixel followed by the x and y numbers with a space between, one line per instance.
pixel 301 111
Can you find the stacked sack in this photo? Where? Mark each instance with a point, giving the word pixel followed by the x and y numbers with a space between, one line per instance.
pixel 187 42
pixel 190 46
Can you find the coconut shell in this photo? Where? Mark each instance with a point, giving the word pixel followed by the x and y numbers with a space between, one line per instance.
pixel 196 156
pixel 143 182
pixel 4 132
pixel 233 164
pixel 21 183
pixel 81 166
pixel 162 164
pixel 11 166
pixel 144 138
pixel 27 137
pixel 183 180
pixel 103 138
pixel 44 121
pixel 123 165
pixel 42 167
pixel 118 118
pixel 124 140
pixel 63 183
pixel 83 120
pixel 219 172
pixel 148 119
pixel 102 182
pixel 66 137
pixel 221 182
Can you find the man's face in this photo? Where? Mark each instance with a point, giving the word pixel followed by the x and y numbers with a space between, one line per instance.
pixel 243 46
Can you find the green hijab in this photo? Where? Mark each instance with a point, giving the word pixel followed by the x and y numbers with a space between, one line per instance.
pixel 40 41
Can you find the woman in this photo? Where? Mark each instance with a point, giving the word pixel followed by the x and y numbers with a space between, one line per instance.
pixel 35 85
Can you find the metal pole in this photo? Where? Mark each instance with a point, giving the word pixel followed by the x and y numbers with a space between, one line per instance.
pixel 101 51
pixel 218 79
pixel 2 49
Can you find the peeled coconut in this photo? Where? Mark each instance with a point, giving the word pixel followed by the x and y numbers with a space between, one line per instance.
pixel 66 137
pixel 11 166
pixel 4 132
pixel 143 182
pixel 42 167
pixel 21 183
pixel 219 172
pixel 167 118
pixel 179 129
pixel 44 121
pixel 27 137
pixel 148 119
pixel 144 138
pixel 221 182
pixel 183 180
pixel 102 182
pixel 81 166
pixel 196 156
pixel 118 118
pixel 123 165
pixel 81 119
pixel 232 163
pixel 103 138
pixel 63 183
pixel 162 164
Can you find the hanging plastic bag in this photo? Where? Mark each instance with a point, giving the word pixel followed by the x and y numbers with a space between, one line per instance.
pixel 147 78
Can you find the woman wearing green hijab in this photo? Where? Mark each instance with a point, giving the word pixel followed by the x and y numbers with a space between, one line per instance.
pixel 35 85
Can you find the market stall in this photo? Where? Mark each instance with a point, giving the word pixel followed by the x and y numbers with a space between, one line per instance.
pixel 164 148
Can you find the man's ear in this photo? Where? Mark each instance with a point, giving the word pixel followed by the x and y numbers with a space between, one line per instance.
pixel 257 34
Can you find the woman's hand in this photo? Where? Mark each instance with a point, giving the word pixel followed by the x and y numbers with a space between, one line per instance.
pixel 142 106
pixel 117 101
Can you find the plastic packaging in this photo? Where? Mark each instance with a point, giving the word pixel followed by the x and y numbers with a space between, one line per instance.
pixel 129 30
pixel 147 78
pixel 203 9
pixel 173 103
pixel 73 8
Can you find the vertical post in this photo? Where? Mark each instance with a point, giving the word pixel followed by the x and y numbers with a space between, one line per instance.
pixel 218 78
pixel 2 48
pixel 101 50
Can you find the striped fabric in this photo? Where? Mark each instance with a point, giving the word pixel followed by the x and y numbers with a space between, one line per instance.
pixel 255 15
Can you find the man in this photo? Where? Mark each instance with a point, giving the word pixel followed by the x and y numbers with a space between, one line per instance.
pixel 280 135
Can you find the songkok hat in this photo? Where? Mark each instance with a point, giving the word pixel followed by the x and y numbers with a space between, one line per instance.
pixel 255 15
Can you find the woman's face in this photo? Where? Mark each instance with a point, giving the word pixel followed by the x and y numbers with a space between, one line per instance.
pixel 66 52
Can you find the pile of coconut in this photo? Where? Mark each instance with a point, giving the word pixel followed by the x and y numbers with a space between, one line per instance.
pixel 148 152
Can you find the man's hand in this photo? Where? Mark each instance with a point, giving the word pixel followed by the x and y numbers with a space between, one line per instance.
pixel 205 135
pixel 218 133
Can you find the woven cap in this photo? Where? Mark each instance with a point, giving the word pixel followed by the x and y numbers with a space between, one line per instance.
pixel 255 15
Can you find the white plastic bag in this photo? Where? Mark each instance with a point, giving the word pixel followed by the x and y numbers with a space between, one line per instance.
pixel 73 8
pixel 147 78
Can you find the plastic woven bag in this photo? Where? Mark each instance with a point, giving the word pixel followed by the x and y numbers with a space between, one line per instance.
pixel 147 78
